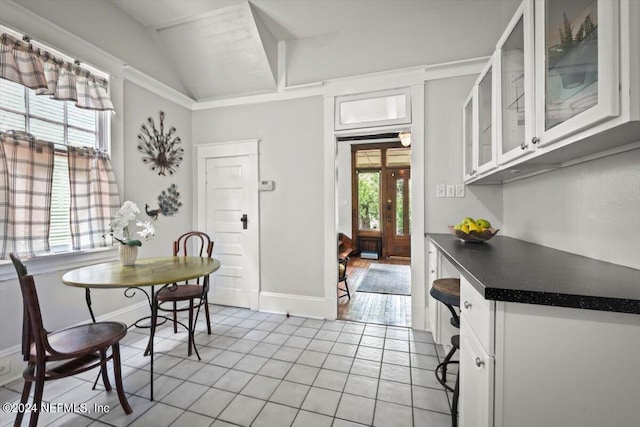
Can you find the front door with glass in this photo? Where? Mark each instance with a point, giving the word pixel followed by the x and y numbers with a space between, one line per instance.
pixel 397 213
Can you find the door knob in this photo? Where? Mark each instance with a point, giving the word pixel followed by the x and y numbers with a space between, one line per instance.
pixel 244 220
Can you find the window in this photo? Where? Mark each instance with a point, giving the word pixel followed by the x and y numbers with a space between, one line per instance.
pixel 369 200
pixel 62 123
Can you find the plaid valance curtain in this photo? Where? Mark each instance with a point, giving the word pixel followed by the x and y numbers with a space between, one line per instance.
pixel 94 196
pixel 26 170
pixel 36 69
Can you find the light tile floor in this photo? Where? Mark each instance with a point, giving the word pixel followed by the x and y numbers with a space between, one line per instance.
pixel 260 369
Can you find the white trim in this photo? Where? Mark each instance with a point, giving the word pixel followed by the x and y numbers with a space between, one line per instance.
pixel 330 178
pixel 455 69
pixel 354 84
pixel 282 65
pixel 291 92
pixel 12 355
pixel 154 86
pixel 58 262
pixel 417 126
pixel 244 147
pixel 297 305
pixel 418 191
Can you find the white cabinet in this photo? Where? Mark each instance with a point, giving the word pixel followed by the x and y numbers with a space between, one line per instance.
pixel 515 87
pixel 530 365
pixel 469 135
pixel 479 126
pixel 484 150
pixel 475 404
pixel 477 364
pixel 565 87
pixel 577 65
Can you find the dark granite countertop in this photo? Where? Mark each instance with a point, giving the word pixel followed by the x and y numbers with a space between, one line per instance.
pixel 506 269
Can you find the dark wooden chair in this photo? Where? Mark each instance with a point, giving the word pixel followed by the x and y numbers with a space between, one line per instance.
pixel 194 243
pixel 342 277
pixel 345 245
pixel 74 350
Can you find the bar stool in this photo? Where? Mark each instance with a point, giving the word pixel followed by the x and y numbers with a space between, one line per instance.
pixel 447 291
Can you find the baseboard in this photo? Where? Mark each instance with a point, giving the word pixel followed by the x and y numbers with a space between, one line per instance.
pixel 296 305
pixel 418 318
pixel 11 362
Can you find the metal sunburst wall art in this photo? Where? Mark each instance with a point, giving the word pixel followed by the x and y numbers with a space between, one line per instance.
pixel 161 149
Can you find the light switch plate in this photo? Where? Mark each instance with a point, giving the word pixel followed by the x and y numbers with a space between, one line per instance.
pixel 459 190
pixel 441 191
pixel 451 190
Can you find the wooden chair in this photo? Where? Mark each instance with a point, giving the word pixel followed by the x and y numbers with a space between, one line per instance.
pixel 77 349
pixel 345 245
pixel 342 277
pixel 194 243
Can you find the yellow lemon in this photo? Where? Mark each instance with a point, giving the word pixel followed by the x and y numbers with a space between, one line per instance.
pixel 473 226
pixel 465 228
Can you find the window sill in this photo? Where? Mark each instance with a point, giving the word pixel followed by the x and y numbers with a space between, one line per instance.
pixel 58 262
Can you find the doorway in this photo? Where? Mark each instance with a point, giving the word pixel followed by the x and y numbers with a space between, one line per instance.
pixel 379 275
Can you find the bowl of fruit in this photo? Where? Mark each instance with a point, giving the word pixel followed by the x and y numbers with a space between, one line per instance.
pixel 471 230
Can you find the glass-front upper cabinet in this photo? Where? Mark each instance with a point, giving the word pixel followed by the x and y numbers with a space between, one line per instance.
pixel 515 86
pixel 484 149
pixel 577 65
pixel 468 120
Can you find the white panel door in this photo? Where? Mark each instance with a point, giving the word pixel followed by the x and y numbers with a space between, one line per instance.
pixel 229 193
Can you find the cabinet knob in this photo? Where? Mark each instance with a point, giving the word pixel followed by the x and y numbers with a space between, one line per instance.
pixel 535 140
pixel 479 362
pixel 473 172
pixel 433 271
pixel 467 305
pixel 523 146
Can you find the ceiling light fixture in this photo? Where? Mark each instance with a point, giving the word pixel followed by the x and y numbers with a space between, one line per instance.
pixel 405 138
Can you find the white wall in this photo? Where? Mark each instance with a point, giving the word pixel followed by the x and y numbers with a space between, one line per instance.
pixel 291 216
pixel 592 209
pixel 106 27
pixel 436 32
pixel 443 160
pixel 140 184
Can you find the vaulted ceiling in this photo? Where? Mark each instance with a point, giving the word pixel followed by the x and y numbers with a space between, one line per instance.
pixel 213 49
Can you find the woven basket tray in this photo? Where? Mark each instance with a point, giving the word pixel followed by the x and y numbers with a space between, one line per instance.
pixel 474 236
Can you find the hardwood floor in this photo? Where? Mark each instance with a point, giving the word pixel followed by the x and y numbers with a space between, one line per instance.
pixel 369 307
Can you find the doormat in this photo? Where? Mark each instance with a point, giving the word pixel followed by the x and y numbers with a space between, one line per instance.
pixel 387 279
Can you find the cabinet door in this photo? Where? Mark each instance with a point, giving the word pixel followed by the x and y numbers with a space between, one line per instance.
pixel 485 152
pixel 577 65
pixel 469 135
pixel 515 86
pixel 476 380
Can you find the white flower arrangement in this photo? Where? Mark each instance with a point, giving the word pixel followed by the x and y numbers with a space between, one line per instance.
pixel 120 225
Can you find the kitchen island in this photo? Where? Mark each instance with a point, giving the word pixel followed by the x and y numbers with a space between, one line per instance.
pixel 546 337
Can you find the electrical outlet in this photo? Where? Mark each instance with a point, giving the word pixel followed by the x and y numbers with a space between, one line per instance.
pixel 440 190
pixel 451 190
pixel 5 368
pixel 459 190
